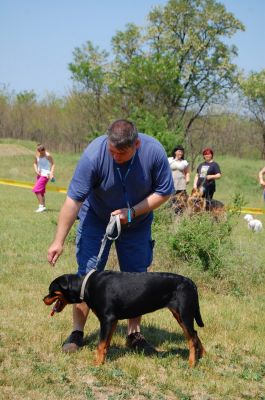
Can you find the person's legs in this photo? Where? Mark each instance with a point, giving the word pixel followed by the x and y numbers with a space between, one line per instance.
pixel 39 190
pixel 75 340
pixel 209 197
pixel 134 325
pixel 135 253
pixel 41 199
pixel 88 241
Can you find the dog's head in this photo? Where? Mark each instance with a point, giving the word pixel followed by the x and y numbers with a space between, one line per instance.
pixel 179 202
pixel 248 217
pixel 63 290
pixel 196 201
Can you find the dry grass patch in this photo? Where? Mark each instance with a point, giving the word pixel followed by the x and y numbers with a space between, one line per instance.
pixel 7 150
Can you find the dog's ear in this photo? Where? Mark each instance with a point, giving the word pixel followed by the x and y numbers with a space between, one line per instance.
pixel 193 191
pixel 60 284
pixel 51 298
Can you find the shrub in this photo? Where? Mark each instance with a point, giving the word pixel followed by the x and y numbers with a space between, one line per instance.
pixel 202 241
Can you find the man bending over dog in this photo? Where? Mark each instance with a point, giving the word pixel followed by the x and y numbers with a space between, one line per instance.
pixel 123 173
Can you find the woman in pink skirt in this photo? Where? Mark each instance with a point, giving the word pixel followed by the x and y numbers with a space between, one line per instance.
pixel 44 168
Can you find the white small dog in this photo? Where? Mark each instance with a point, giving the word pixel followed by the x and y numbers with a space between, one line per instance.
pixel 253 224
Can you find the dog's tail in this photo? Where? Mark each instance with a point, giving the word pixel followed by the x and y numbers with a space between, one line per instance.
pixel 198 317
pixel 197 314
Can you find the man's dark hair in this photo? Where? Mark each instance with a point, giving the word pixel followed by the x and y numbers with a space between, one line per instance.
pixel 122 133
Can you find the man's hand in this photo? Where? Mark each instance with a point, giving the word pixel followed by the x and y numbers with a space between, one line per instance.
pixel 123 213
pixel 67 218
pixel 54 253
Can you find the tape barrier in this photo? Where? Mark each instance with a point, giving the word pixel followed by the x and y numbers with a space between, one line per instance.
pixel 256 211
pixel 28 185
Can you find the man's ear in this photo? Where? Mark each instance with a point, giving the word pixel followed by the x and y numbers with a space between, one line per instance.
pixel 137 143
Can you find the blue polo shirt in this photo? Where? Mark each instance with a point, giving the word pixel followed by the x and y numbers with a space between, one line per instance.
pixel 105 186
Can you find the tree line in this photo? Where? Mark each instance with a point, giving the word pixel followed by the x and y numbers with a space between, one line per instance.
pixel 172 77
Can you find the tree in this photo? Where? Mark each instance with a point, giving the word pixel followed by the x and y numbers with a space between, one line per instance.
pixel 180 63
pixel 89 72
pixel 23 109
pixel 253 89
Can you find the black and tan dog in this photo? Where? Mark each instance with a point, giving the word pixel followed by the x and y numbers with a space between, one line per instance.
pixel 115 296
pixel 197 203
pixel 179 202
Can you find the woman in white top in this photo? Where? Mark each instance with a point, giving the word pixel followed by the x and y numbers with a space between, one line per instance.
pixel 180 169
pixel 44 168
pixel 181 177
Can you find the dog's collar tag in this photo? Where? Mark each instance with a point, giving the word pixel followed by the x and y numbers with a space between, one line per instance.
pixel 82 291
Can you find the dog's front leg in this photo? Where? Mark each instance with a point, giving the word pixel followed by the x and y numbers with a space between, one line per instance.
pixel 106 331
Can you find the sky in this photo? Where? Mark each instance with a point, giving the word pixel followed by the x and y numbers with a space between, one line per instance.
pixel 38 37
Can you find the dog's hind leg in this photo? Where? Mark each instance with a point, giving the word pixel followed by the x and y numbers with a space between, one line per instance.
pixel 196 349
pixel 200 349
pixel 107 329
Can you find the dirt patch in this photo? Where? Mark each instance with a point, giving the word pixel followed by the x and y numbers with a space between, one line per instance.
pixel 14 150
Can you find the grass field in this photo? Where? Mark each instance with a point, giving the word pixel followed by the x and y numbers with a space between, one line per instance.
pixel 232 306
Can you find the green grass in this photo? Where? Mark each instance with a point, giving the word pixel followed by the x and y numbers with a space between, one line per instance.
pixel 232 306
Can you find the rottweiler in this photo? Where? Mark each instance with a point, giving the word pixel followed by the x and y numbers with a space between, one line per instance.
pixel 114 296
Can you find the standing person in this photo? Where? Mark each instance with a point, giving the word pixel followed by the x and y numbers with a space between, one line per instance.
pixel 180 169
pixel 121 173
pixel 44 168
pixel 207 173
pixel 181 177
pixel 261 180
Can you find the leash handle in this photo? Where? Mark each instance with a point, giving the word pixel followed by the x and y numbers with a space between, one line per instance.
pixel 113 222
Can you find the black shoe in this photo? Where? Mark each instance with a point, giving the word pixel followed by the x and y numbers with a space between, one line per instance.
pixel 136 341
pixel 73 342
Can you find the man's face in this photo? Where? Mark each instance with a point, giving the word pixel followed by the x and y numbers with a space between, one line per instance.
pixel 120 156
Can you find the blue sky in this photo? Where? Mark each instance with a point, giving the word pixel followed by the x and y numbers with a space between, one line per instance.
pixel 37 37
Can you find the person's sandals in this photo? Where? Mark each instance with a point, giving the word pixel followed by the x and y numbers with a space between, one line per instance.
pixel 73 342
pixel 136 341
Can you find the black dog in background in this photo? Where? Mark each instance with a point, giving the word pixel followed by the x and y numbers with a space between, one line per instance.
pixel 122 295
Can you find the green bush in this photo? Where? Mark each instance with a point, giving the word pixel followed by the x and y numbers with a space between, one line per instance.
pixel 158 127
pixel 202 241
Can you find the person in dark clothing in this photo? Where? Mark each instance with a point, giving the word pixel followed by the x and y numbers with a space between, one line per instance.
pixel 207 173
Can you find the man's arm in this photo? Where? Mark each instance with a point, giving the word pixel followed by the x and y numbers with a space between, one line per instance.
pixel 66 220
pixel 150 203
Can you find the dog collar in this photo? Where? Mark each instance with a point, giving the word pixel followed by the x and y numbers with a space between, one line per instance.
pixel 82 291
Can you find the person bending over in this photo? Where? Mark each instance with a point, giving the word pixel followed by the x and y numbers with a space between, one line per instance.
pixel 120 173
